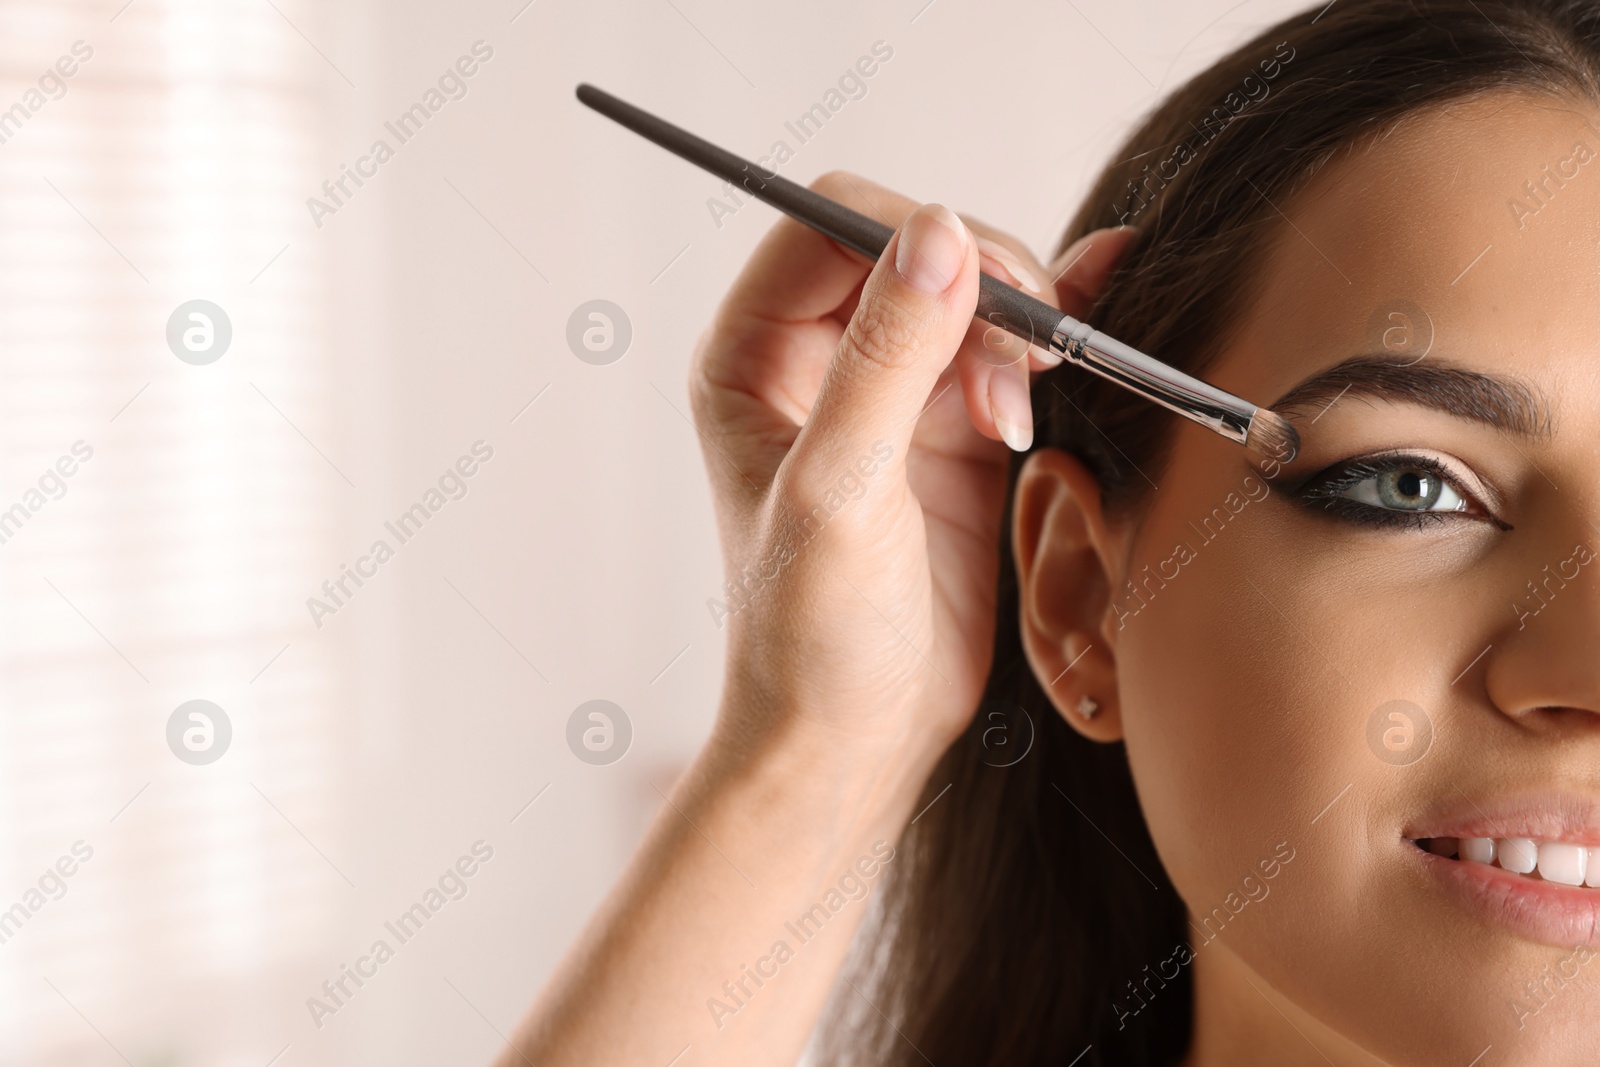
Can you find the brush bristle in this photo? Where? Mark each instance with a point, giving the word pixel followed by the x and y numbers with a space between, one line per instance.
pixel 1270 435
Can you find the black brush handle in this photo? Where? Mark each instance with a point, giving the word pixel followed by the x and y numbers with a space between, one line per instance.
pixel 1011 309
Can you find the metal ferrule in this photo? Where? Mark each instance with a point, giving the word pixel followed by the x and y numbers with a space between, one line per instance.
pixel 1212 408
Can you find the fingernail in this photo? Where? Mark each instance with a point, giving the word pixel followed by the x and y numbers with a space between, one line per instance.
pixel 1011 408
pixel 1047 357
pixel 932 247
pixel 1009 264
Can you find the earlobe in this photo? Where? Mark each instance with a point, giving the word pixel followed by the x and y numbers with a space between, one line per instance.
pixel 1065 554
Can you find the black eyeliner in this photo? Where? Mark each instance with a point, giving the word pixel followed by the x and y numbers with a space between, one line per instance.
pixel 1320 491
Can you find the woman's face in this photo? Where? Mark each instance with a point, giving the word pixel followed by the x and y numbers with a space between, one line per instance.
pixel 1335 664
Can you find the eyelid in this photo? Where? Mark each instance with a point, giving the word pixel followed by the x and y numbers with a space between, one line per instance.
pixel 1481 494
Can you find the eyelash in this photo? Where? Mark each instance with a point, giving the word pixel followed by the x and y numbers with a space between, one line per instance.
pixel 1322 492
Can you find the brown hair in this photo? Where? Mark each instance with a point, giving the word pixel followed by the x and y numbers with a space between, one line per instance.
pixel 1013 930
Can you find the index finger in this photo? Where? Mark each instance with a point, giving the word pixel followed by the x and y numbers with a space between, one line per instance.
pixel 797 274
pixel 1079 272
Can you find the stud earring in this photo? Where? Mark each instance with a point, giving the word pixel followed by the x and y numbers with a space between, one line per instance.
pixel 1087 707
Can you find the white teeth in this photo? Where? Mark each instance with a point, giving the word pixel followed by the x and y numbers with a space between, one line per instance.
pixel 1556 861
pixel 1562 863
pixel 1518 854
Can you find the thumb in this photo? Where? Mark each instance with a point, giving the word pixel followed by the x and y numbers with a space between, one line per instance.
pixel 914 311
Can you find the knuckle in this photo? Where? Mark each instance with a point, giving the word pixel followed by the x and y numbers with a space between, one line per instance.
pixel 699 378
pixel 701 402
pixel 822 502
pixel 801 506
pixel 884 331
pixel 799 488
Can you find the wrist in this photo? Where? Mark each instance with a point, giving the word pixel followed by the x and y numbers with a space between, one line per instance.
pixel 820 769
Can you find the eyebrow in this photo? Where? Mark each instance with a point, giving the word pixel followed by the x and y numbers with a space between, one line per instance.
pixel 1504 402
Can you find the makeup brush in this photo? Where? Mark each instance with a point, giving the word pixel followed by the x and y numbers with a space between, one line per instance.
pixel 1258 429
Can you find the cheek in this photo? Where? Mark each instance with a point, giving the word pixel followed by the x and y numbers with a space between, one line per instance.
pixel 1250 672
pixel 1238 730
pixel 1240 734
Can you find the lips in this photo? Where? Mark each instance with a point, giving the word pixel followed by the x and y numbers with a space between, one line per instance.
pixel 1530 863
pixel 1561 862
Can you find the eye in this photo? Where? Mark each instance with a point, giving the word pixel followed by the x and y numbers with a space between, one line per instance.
pixel 1407 489
pixel 1392 490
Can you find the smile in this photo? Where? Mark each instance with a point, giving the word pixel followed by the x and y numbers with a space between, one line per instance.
pixel 1527 862
pixel 1550 861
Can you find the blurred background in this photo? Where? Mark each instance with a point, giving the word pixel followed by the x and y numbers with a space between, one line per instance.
pixel 187 488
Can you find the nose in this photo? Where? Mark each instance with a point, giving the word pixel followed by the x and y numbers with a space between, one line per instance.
pixel 1544 668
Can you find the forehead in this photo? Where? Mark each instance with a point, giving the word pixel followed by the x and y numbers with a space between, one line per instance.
pixel 1470 231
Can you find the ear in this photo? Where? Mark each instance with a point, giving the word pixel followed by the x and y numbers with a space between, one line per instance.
pixel 1065 558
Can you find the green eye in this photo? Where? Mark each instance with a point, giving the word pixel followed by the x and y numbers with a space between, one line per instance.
pixel 1406 489
pixel 1400 490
